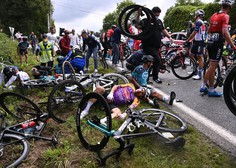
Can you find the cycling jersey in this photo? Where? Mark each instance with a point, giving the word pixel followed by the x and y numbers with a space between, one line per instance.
pixel 218 21
pixel 125 95
pixel 136 58
pixel 140 74
pixel 200 30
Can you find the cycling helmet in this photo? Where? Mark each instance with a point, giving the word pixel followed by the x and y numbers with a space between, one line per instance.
pixel 200 13
pixel 6 70
pixel 147 58
pixel 227 2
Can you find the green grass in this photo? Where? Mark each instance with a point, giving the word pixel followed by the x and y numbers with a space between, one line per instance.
pixel 198 152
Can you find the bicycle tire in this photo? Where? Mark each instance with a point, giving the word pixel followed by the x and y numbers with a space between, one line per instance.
pixel 170 123
pixel 124 18
pixel 15 149
pixel 229 90
pixel 217 72
pixel 72 75
pixel 19 106
pixel 63 99
pixel 183 67
pixel 38 83
pixel 115 79
pixel 90 137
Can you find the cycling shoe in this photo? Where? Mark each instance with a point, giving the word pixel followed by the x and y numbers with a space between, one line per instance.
pixel 215 94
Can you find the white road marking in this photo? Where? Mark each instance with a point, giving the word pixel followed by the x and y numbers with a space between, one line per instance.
pixel 224 133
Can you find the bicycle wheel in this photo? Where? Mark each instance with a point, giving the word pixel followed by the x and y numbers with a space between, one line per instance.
pixel 38 83
pixel 111 79
pixel 19 106
pixel 13 150
pixel 164 120
pixel 229 90
pixel 68 71
pixel 91 137
pixel 63 100
pixel 218 77
pixel 183 67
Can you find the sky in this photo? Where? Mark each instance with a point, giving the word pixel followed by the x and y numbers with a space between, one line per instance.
pixel 89 14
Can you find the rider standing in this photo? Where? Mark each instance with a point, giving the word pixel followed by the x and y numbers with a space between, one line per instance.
pixel 218 33
pixel 199 41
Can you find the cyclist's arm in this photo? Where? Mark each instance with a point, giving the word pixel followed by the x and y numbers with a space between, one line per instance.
pixel 10 81
pixel 134 82
pixel 135 103
pixel 227 37
pixel 114 88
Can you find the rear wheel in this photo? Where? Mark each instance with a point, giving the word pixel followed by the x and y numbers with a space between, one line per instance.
pixel 183 67
pixel 91 131
pixel 164 120
pixel 38 83
pixel 64 99
pixel 13 150
pixel 19 106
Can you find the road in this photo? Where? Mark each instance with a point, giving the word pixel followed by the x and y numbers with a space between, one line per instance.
pixel 209 115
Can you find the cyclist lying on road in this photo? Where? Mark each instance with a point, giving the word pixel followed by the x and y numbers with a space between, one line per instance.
pixel 139 79
pixel 119 95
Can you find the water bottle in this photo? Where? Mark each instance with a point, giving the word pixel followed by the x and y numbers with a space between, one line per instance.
pixel 29 127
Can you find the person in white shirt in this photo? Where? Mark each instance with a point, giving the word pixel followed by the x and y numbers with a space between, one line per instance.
pixel 52 37
pixel 74 39
pixel 12 73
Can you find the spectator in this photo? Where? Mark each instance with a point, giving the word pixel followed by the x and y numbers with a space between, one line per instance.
pixel 33 42
pixel 45 53
pixel 18 36
pixel 115 41
pixel 65 43
pixel 22 49
pixel 93 47
pixel 74 40
pixel 52 38
pixel 109 33
pixel 12 73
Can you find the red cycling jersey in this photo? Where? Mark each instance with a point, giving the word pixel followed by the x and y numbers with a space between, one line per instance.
pixel 218 21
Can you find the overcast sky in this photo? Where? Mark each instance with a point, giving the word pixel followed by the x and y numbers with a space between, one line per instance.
pixel 89 14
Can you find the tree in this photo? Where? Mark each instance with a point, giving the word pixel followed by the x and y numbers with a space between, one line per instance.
pixel 25 15
pixel 112 18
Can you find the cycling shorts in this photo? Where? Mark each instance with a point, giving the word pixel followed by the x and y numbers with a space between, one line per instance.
pixel 198 48
pixel 215 50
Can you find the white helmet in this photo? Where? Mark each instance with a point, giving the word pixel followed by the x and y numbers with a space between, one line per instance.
pixel 227 2
pixel 200 13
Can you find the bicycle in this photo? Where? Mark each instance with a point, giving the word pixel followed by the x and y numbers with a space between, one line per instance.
pixel 95 135
pixel 27 122
pixel 65 96
pixel 182 65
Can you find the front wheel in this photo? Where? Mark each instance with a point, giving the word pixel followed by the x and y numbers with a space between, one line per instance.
pixel 63 99
pixel 164 120
pixel 92 132
pixel 183 67
pixel 229 90
pixel 13 150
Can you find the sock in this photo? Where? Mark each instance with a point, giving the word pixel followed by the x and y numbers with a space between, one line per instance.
pixel 166 99
pixel 203 85
pixel 89 104
pixel 103 120
pixel 200 72
pixel 211 89
pixel 151 102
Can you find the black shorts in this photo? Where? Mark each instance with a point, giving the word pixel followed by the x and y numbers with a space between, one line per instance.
pixel 215 50
pixel 23 51
pixel 198 48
